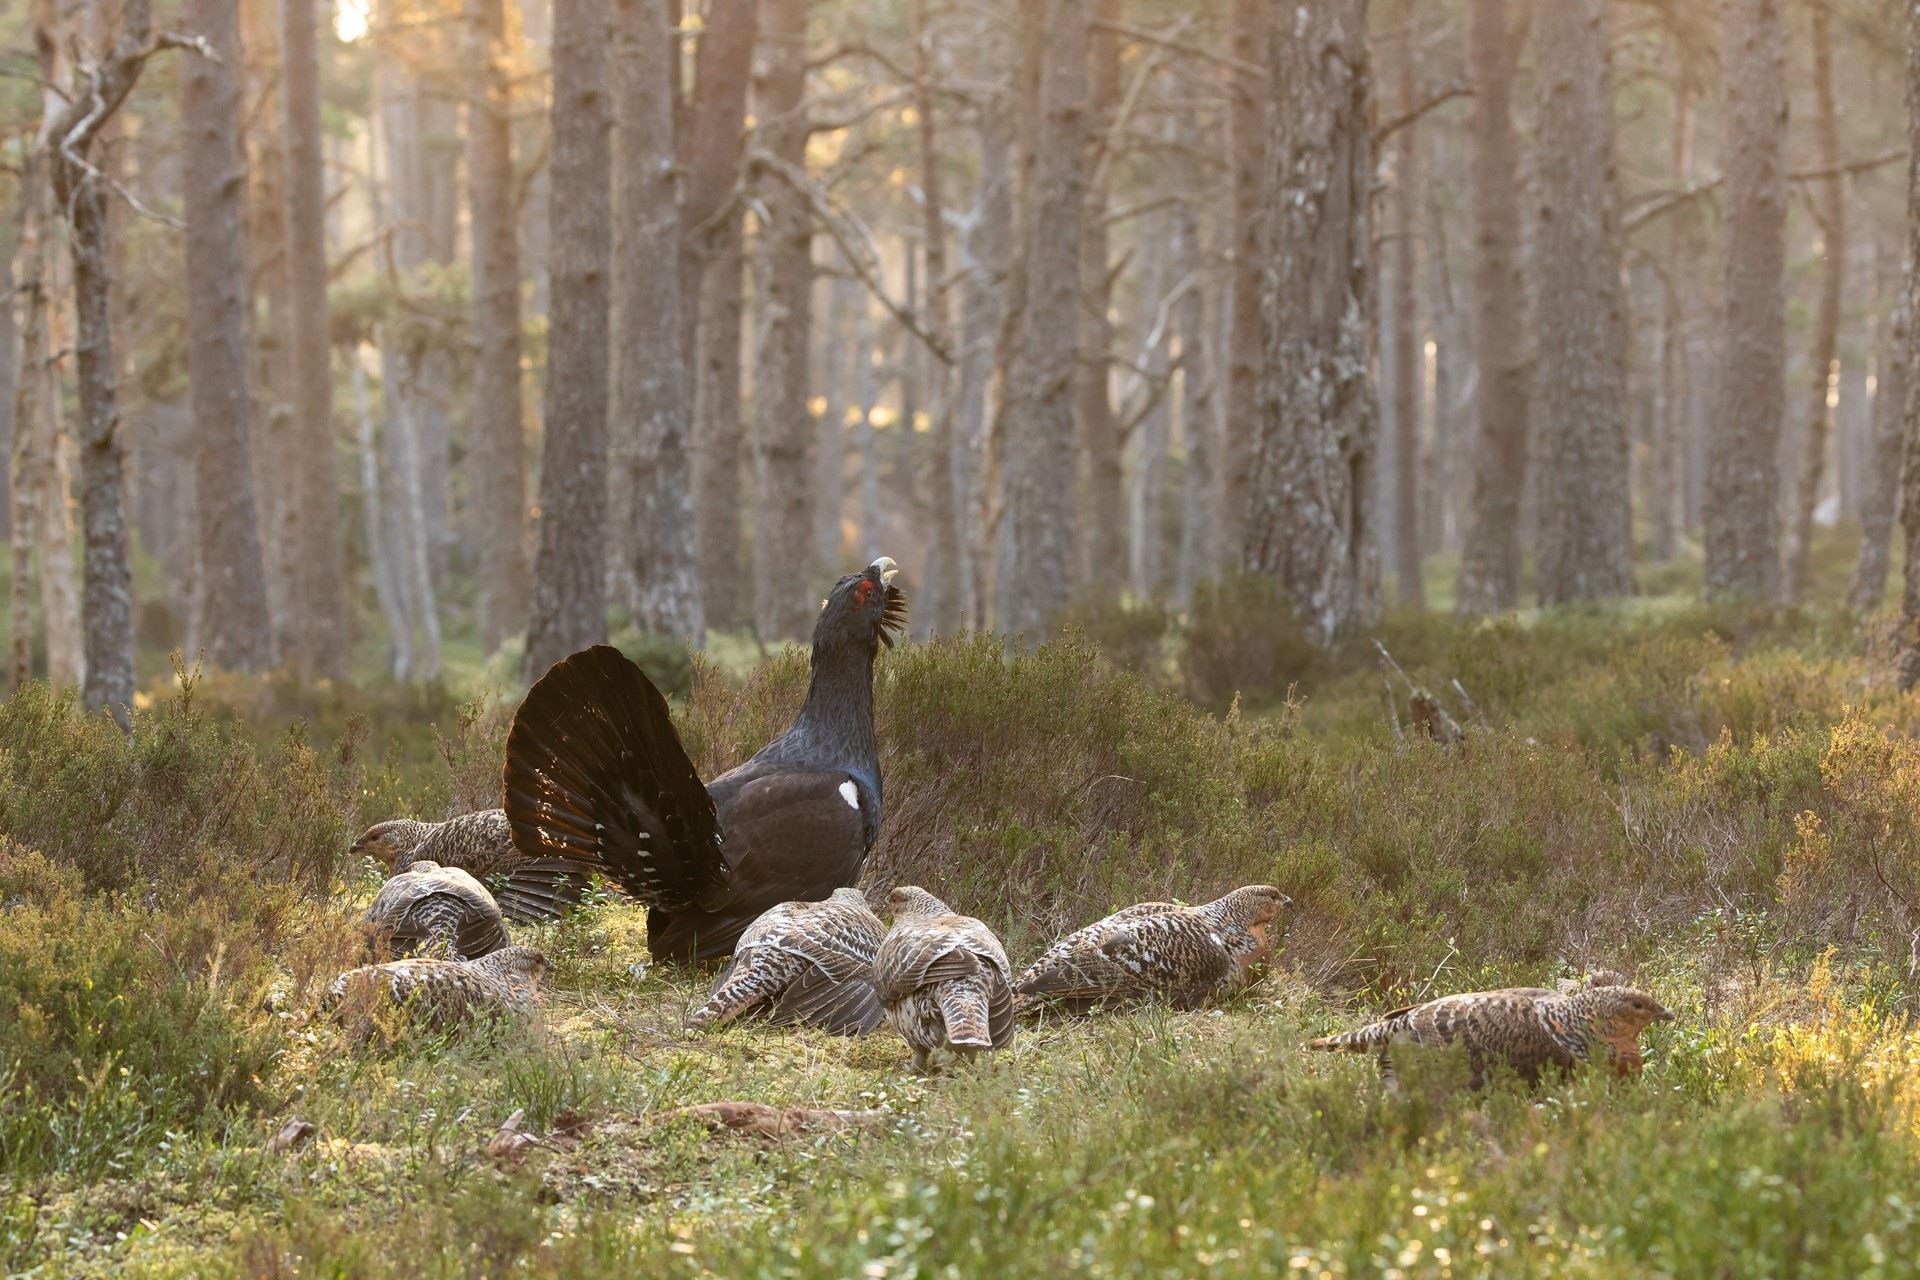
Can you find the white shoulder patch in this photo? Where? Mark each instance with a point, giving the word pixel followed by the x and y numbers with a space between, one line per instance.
pixel 850 793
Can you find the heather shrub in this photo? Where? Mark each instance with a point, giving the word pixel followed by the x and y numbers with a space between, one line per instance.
pixel 1242 638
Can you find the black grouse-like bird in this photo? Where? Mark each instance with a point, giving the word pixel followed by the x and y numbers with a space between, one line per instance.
pixel 596 774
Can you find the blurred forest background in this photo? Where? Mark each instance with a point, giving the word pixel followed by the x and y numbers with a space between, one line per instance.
pixel 400 337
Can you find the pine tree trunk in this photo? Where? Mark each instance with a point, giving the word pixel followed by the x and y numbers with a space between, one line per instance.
pixel 1037 553
pixel 1247 129
pixel 1742 502
pixel 1676 381
pixel 1490 549
pixel 718 434
pixel 783 568
pixel 231 602
pixel 865 447
pixel 569 606
pixel 839 366
pixel 711 270
pixel 1199 555
pixel 654 420
pixel 1146 524
pixel 1311 517
pixel 1880 496
pixel 1409 358
pixel 944 595
pixel 388 583
pixel 1586 545
pixel 496 433
pixel 1909 635
pixel 1102 510
pixel 983 256
pixel 406 507
pixel 1832 198
pixel 316 553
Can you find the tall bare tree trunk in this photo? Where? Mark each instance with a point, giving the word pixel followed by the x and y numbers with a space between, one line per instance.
pixel 783 568
pixel 945 561
pixel 1153 424
pixel 654 421
pixel 711 268
pixel 231 602
pixel 318 554
pixel 1311 518
pixel 1409 357
pixel 1880 497
pixel 495 429
pixel 1586 542
pixel 839 365
pixel 1102 510
pixel 716 458
pixel 1742 509
pixel 389 587
pixel 1676 375
pixel 983 256
pixel 1038 552
pixel 1909 658
pixel 106 605
pixel 1247 135
pixel 1826 324
pixel 1199 555
pixel 1490 551
pixel 569 606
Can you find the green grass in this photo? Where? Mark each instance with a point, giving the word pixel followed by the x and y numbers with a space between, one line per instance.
pixel 1725 799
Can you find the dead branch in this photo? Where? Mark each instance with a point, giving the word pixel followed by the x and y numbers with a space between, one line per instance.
pixel 1424 711
pixel 760 1120
pixel 1661 203
pixel 1405 118
pixel 1175 45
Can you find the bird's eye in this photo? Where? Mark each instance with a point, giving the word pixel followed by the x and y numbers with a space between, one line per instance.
pixel 862 592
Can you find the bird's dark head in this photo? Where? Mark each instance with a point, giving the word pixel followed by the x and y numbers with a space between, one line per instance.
pixel 864 609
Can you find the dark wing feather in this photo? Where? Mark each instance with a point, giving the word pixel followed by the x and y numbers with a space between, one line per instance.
pixel 596 774
pixel 844 1006
pixel 542 889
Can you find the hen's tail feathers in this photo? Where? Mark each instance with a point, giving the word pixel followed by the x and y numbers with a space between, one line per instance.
pixel 596 775
pixel 543 889
pixel 963 1007
pixel 1364 1040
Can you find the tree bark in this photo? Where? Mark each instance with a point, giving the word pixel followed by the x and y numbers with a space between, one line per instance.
pixel 496 433
pixel 231 602
pixel 1199 554
pixel 1490 550
pixel 1247 130
pixel 654 420
pixel 1311 517
pixel 1586 543
pixel 1909 634
pixel 1742 503
pixel 1154 425
pixel 569 606
pixel 1409 357
pixel 389 586
pixel 716 458
pixel 783 568
pixel 1880 496
pixel 317 555
pixel 1038 553
pixel 1102 509
pixel 944 594
pixel 1832 207
pixel 983 256
pixel 1676 375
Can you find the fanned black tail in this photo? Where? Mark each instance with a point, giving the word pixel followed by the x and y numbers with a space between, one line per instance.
pixel 596 776
pixel 542 889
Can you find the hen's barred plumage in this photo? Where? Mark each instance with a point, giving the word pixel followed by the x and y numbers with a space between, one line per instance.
pixel 442 994
pixel 1527 1029
pixel 804 962
pixel 1185 955
pixel 942 979
pixel 436 910
pixel 530 890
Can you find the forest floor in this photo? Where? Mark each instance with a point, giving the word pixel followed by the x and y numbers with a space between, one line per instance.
pixel 1723 800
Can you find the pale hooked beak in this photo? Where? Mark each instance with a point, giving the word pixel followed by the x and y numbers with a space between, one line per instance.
pixel 888 569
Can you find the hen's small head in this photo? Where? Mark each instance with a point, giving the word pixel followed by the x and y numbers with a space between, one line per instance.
pixel 864 609
pixel 1626 1011
pixel 388 842
pixel 910 900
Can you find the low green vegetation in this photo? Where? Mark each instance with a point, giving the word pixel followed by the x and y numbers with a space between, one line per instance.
pixel 1725 800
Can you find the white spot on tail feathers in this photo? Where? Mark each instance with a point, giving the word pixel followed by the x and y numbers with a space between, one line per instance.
pixel 850 793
